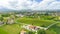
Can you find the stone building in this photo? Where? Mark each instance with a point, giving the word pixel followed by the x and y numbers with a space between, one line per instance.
pixel 1 23
pixel 23 32
pixel 10 21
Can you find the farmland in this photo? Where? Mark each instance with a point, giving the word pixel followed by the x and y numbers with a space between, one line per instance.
pixel 41 20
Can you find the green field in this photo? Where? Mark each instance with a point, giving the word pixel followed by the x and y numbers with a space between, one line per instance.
pixel 10 29
pixel 15 28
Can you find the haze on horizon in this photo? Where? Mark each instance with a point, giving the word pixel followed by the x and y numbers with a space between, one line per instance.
pixel 30 4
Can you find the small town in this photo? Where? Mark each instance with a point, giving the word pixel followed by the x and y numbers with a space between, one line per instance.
pixel 29 16
pixel 28 22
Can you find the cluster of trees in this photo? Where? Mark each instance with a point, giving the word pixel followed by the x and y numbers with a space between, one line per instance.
pixel 3 17
pixel 38 32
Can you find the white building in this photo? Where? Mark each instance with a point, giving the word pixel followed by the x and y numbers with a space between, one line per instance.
pixel 1 23
pixel 10 20
pixel 23 32
pixel 20 15
pixel 31 27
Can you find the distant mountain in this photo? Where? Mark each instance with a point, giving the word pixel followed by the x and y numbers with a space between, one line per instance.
pixel 4 9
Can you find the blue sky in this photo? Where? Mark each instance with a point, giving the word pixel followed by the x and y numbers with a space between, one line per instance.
pixel 31 4
pixel 38 0
pixel 57 0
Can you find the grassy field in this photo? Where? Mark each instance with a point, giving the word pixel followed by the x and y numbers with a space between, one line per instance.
pixel 10 29
pixel 56 28
pixel 35 21
pixel 15 28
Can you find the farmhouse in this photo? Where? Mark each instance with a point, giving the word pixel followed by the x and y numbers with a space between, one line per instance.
pixel 23 32
pixel 20 15
pixel 31 27
pixel 1 23
pixel 10 21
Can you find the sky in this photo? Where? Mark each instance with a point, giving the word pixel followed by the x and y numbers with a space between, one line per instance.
pixel 30 4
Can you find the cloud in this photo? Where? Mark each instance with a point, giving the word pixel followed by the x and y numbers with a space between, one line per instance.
pixel 31 4
pixel 55 5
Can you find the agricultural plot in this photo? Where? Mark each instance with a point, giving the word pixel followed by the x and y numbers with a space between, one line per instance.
pixel 42 22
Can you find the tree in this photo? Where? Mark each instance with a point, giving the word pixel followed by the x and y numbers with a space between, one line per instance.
pixel 1 18
pixel 41 32
pixel 5 15
pixel 30 32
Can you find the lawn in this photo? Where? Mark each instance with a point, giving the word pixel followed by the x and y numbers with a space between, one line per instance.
pixel 35 21
pixel 10 29
pixel 53 30
pixel 3 31
pixel 16 28
pixel 56 28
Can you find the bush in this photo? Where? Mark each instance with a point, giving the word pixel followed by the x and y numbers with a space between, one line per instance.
pixel 41 32
pixel 30 32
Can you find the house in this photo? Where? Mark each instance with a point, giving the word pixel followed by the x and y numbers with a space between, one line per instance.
pixel 10 20
pixel 1 23
pixel 20 15
pixel 23 32
pixel 31 27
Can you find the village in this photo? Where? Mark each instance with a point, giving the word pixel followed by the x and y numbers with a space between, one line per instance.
pixel 10 19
